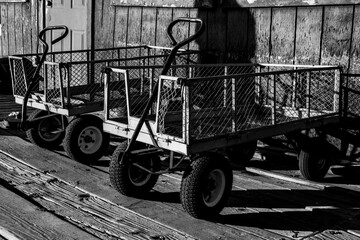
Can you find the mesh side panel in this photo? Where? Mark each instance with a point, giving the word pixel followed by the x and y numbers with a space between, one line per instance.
pixel 351 96
pixel 219 105
pixel 53 85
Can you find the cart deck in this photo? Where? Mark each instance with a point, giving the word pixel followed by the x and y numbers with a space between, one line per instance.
pixel 204 107
pixel 70 83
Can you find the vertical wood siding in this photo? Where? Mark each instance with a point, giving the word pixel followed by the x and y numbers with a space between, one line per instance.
pixel 19 27
pixel 303 34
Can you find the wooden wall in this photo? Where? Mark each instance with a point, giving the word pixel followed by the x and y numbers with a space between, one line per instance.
pixel 316 34
pixel 20 22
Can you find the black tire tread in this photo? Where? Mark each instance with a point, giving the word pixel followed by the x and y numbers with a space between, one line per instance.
pixel 70 140
pixel 191 185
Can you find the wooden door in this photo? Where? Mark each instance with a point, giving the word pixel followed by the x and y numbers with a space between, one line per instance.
pixel 74 14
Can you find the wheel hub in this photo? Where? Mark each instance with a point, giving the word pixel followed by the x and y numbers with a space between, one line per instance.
pixel 215 188
pixel 90 139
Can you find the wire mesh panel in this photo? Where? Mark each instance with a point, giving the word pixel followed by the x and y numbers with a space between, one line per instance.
pixel 76 81
pixel 351 95
pixel 218 105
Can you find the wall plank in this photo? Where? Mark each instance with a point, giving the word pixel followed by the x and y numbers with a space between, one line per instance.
pixel 337 35
pixel 308 35
pixel 217 21
pixel 201 42
pixel 282 35
pixel 181 30
pixel 19 38
pixel 164 18
pixel 259 34
pixel 148 28
pixel 27 28
pixel 34 24
pixel 121 23
pixel 355 48
pixel 237 35
pixel 104 24
pixel 11 27
pixel 134 25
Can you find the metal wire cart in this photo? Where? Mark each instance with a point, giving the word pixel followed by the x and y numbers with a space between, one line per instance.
pixel 193 113
pixel 67 92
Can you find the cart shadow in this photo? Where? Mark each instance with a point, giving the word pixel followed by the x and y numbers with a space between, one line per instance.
pixel 296 210
pixel 168 197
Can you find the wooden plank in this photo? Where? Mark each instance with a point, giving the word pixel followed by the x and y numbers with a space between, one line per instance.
pixel 201 42
pixel 308 35
pixel 35 24
pixel 284 3
pixel 19 38
pixel 336 234
pixel 216 41
pixel 105 14
pixel 121 23
pixel 182 29
pixel 259 34
pixel 4 29
pixel 11 28
pixel 134 26
pixel 337 35
pixel 163 19
pixel 283 35
pixel 231 3
pixel 166 3
pixel 148 26
pixel 237 35
pixel 21 219
pixel 355 47
pixel 27 28
pixel 95 215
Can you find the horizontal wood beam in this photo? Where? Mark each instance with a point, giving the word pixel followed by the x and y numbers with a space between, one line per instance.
pixel 230 3
pixel 13 1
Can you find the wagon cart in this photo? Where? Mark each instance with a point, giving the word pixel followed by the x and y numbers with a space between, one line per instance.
pixel 198 111
pixel 66 90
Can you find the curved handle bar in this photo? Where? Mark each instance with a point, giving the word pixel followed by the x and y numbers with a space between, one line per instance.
pixel 39 65
pixel 184 19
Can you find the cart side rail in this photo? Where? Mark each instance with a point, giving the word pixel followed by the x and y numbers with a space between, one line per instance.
pixel 207 106
pixel 351 95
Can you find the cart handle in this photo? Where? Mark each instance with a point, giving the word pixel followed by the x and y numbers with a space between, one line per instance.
pixel 185 19
pixel 164 71
pixel 38 67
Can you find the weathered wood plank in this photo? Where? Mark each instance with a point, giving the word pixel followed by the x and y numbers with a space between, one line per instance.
pixel 134 26
pixel 22 219
pixel 104 24
pixel 355 48
pixel 284 3
pixel 182 29
pixel 163 19
pixel 27 28
pixel 91 213
pixel 237 35
pixel 19 37
pixel 4 32
pixel 148 31
pixel 308 35
pixel 259 34
pixel 35 24
pixel 121 23
pixel 165 3
pixel 217 35
pixel 201 42
pixel 283 35
pixel 336 35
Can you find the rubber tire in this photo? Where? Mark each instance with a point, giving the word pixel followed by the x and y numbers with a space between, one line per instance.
pixel 317 150
pixel 195 180
pixel 241 154
pixel 73 131
pixel 120 178
pixel 34 134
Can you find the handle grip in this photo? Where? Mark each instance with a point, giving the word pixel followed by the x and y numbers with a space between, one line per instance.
pixel 58 39
pixel 189 39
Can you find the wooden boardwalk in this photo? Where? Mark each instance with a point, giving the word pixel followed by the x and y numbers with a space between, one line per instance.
pixel 269 199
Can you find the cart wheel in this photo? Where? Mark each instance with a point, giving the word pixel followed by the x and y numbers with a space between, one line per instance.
pixel 85 140
pixel 241 154
pixel 128 179
pixel 46 133
pixel 316 158
pixel 206 185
